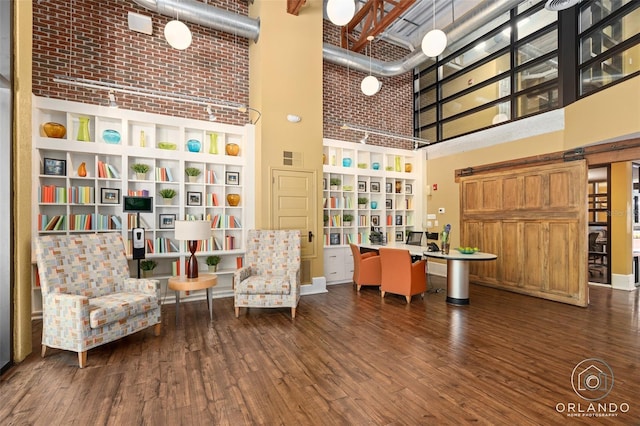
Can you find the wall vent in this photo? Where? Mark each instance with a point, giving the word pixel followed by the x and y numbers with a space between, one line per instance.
pixel 293 159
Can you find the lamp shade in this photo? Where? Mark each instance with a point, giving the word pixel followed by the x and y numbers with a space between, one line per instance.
pixel 178 35
pixel 192 230
pixel 370 85
pixel 340 12
pixel 434 43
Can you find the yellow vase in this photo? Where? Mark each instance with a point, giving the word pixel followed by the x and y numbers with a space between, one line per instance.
pixel 233 199
pixel 232 149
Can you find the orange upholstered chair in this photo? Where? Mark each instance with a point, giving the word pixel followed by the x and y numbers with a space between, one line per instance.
pixel 400 276
pixel 366 267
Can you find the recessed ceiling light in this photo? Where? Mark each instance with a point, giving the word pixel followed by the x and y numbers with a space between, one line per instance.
pixel 556 5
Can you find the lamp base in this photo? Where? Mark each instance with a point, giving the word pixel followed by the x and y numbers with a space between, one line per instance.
pixel 192 263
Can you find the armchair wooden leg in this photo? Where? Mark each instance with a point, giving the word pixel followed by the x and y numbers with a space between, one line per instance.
pixel 157 329
pixel 358 287
pixel 293 312
pixel 382 293
pixel 237 312
pixel 408 299
pixel 44 350
pixel 82 359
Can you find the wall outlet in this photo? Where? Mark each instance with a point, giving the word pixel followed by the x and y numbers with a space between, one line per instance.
pixel 441 210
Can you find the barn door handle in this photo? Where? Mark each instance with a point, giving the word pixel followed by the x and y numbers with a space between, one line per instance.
pixel 310 236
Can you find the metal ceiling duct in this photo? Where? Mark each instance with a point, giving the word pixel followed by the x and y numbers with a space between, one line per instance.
pixel 212 17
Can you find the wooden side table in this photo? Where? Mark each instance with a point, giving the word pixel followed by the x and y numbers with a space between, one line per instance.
pixel 182 283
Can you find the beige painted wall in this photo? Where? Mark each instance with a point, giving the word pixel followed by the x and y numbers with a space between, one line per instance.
pixel 609 114
pixel 621 217
pixel 286 78
pixel 22 181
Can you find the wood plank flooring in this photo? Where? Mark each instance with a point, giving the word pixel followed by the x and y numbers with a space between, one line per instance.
pixel 346 359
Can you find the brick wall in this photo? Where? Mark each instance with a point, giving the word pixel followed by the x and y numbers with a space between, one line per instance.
pixel 91 39
pixel 389 110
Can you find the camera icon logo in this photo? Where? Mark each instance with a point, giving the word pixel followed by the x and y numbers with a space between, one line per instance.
pixel 592 379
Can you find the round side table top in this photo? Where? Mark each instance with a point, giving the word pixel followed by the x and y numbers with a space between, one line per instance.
pixel 182 283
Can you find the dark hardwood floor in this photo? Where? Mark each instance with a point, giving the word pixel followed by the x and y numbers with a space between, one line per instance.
pixel 348 359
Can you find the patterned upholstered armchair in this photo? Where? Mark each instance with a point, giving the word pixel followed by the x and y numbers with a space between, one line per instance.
pixel 88 297
pixel 271 275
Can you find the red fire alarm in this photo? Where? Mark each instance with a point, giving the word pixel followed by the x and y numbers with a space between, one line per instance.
pixel 435 186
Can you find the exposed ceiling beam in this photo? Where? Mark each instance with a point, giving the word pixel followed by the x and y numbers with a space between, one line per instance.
pixel 374 19
pixel 294 6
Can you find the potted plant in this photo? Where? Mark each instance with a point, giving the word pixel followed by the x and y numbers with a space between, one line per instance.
pixel 167 194
pixel 362 202
pixel 334 183
pixel 213 261
pixel 147 266
pixel 346 219
pixel 192 173
pixel 141 170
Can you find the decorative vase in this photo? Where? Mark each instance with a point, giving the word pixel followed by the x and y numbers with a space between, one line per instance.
pixel 233 199
pixel 398 187
pixel 111 136
pixel 346 162
pixel 54 130
pixel 374 204
pixel 82 169
pixel 143 139
pixel 232 149
pixel 398 169
pixel 213 143
pixel 408 167
pixel 324 159
pixel 83 129
pixel 445 248
pixel 193 145
pixel 375 166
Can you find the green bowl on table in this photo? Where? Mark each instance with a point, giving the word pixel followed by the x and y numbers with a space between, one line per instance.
pixel 467 250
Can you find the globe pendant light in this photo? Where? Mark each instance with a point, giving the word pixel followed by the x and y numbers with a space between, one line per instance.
pixel 178 35
pixel 435 41
pixel 370 85
pixel 340 12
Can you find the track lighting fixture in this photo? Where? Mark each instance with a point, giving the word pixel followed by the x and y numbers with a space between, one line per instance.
pixel 371 131
pixel 212 116
pixel 365 138
pixel 112 100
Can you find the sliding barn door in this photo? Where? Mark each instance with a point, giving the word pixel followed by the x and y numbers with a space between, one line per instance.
pixel 534 219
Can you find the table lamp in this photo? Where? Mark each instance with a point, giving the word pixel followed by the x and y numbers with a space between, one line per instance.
pixel 192 231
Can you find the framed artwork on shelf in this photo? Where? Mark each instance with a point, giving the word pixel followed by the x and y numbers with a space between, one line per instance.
pixel 408 189
pixel 194 198
pixel 399 236
pixel 167 221
pixel 375 220
pixel 54 167
pixel 375 187
pixel 109 195
pixel 389 203
pixel 362 186
pixel 388 187
pixel 232 178
pixel 398 219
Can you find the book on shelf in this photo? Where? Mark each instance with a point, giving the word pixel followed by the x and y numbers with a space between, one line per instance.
pixel 138 193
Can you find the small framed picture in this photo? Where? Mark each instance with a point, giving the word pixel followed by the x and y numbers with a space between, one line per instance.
pixel 399 236
pixel 109 195
pixel 389 204
pixel 232 178
pixel 375 186
pixel 388 187
pixel 54 167
pixel 362 186
pixel 398 219
pixel 408 189
pixel 375 220
pixel 324 184
pixel 167 221
pixel 194 198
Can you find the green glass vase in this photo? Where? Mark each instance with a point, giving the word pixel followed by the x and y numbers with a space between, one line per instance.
pixel 83 129
pixel 213 143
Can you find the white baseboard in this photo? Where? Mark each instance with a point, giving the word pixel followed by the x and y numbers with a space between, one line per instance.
pixel 623 282
pixel 318 285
